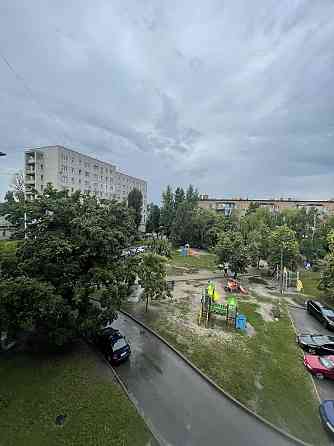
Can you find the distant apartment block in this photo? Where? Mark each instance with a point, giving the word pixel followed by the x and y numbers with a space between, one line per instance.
pixel 74 171
pixel 227 205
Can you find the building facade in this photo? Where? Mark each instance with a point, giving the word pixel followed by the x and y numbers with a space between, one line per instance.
pixel 69 170
pixel 228 205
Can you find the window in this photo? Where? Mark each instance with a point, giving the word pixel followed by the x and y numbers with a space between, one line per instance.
pixel 80 171
pixel 4 233
pixel 41 166
pixel 42 187
pixel 72 170
pixel 42 177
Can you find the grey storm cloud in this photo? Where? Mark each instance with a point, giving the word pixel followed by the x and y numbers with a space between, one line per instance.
pixel 235 97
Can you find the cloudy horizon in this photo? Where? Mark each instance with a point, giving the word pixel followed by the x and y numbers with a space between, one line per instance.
pixel 235 97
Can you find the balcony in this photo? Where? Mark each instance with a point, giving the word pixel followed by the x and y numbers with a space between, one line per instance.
pixel 30 170
pixel 30 160
pixel 30 180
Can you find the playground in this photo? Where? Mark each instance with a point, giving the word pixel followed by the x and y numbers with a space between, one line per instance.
pixel 241 360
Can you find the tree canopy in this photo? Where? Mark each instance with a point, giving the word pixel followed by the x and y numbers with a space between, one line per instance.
pixel 153 218
pixel 135 202
pixel 72 255
pixel 231 248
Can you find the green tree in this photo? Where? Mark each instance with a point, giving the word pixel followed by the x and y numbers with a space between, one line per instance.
pixel 251 221
pixel 203 230
pixel 258 244
pixel 253 206
pixel 182 228
pixel 179 197
pixel 283 241
pixel 327 277
pixel 192 196
pixel 152 277
pixel 72 255
pixel 167 212
pixel 232 248
pixel 160 247
pixel 153 218
pixel 135 202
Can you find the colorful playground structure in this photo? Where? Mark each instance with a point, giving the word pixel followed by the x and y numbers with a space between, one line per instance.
pixel 228 310
pixel 291 279
pixel 233 286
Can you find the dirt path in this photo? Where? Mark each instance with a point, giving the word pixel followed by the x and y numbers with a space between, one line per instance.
pixel 201 275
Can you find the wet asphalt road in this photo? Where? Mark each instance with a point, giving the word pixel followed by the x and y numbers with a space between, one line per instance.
pixel 179 405
pixel 306 323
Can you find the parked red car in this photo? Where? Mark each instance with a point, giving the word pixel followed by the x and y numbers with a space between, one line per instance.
pixel 320 366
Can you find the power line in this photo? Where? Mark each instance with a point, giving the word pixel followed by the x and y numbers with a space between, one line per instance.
pixel 29 91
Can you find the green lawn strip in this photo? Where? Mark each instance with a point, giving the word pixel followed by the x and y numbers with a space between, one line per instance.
pixel 205 261
pixel 287 397
pixel 265 372
pixel 310 281
pixel 34 391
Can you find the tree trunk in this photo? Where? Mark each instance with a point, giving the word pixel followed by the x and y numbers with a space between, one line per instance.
pixel 146 306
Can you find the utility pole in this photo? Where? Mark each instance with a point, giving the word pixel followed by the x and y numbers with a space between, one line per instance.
pixel 282 278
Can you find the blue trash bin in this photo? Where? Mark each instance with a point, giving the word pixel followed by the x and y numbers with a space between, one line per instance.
pixel 240 322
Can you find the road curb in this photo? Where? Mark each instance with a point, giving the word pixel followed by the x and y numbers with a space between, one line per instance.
pixel 297 307
pixel 125 390
pixel 216 386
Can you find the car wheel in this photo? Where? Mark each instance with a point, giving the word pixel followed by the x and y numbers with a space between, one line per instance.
pixel 319 376
pixel 325 324
pixel 308 309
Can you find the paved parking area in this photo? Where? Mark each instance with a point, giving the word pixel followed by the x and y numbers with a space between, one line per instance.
pixel 305 323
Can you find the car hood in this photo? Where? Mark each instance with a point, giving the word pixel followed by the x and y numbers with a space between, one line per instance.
pixel 313 361
pixel 328 410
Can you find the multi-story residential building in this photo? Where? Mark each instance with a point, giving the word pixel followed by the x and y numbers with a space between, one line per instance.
pixel 227 205
pixel 67 169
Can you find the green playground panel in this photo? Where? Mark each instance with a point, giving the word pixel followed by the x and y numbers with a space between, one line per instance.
pixel 222 309
pixel 219 309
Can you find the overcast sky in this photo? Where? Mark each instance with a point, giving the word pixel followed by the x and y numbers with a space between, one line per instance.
pixel 235 97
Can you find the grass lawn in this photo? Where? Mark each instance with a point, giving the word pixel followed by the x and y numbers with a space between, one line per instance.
pixel 310 281
pixel 265 371
pixel 205 261
pixel 34 390
pixel 8 246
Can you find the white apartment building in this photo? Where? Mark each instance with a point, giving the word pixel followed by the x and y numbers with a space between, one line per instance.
pixel 67 169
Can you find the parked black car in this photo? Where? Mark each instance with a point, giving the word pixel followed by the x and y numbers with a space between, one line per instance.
pixel 316 344
pixel 326 410
pixel 113 344
pixel 323 313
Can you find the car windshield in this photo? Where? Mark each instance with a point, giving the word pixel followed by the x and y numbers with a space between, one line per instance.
pixel 120 343
pixel 322 339
pixel 327 363
pixel 328 312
